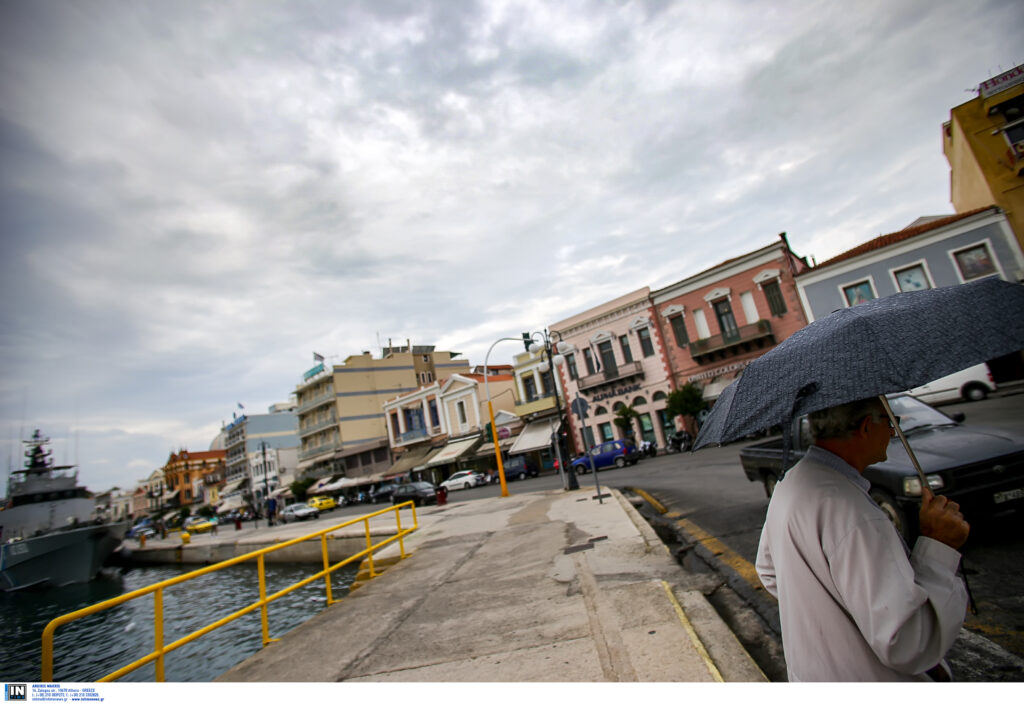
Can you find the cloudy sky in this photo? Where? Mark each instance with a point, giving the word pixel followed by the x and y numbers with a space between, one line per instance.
pixel 197 196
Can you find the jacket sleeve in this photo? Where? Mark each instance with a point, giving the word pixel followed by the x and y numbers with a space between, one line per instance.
pixel 909 610
pixel 765 566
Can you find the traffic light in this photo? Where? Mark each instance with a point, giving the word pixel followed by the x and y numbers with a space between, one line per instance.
pixel 527 340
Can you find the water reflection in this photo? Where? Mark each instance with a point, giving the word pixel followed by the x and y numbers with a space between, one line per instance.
pixel 97 645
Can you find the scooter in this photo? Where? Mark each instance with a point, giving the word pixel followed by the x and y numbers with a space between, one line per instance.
pixel 648 448
pixel 680 441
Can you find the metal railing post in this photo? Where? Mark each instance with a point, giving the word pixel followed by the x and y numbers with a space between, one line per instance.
pixel 327 564
pixel 398 529
pixel 158 631
pixel 369 547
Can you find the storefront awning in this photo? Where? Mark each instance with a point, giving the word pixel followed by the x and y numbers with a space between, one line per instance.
pixel 537 435
pixel 408 461
pixel 487 449
pixel 233 486
pixel 232 503
pixel 715 388
pixel 321 485
pixel 283 492
pixel 452 451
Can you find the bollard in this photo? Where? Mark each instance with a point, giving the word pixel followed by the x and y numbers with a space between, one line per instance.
pixel 142 540
pixel 185 537
pixel 442 495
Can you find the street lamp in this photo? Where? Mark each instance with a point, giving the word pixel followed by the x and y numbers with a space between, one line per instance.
pixel 490 411
pixel 266 487
pixel 555 353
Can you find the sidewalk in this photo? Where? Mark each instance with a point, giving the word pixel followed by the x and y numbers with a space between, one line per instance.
pixel 549 586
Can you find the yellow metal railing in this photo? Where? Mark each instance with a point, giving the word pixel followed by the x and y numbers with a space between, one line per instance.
pixel 157 589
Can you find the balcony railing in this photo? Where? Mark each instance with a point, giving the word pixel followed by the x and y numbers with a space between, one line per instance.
pixel 319 449
pixel 317 426
pixel 746 337
pixel 610 375
pixel 315 402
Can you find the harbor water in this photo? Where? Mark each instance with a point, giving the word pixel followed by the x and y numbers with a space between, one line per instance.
pixel 99 644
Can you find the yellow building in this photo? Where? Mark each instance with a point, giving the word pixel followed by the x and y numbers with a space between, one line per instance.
pixel 342 425
pixel 984 144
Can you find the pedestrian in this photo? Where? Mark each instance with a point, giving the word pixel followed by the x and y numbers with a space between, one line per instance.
pixel 855 603
pixel 163 529
pixel 214 520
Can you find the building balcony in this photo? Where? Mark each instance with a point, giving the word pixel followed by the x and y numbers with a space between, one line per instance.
pixel 413 435
pixel 316 402
pixel 324 448
pixel 721 346
pixel 315 427
pixel 536 405
pixel 619 373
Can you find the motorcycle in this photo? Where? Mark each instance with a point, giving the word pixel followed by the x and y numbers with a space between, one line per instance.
pixel 648 448
pixel 680 441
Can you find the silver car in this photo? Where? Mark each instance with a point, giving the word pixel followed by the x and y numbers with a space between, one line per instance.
pixel 299 511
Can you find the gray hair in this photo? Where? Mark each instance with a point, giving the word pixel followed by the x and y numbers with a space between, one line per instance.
pixel 839 422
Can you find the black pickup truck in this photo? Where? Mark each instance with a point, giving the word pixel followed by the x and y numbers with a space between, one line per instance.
pixel 980 468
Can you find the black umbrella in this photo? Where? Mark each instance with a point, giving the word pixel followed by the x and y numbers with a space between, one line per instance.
pixel 883 346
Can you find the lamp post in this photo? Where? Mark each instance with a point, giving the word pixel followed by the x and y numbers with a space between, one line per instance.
pixel 266 486
pixel 490 411
pixel 555 353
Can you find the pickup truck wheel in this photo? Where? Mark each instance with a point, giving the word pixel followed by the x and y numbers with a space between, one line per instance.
pixel 892 510
pixel 770 481
pixel 974 391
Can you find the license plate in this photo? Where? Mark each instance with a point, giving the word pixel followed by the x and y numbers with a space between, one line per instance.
pixel 1015 494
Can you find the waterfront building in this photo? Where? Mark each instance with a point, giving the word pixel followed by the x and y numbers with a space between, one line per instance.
pixel 182 470
pixel 719 320
pixel 342 425
pixel 932 252
pixel 983 141
pixel 537 408
pixel 253 444
pixel 156 492
pixel 618 360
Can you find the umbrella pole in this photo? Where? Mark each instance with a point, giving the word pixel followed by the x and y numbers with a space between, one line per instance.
pixel 906 444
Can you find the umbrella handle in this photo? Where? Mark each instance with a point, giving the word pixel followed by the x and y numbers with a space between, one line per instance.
pixel 906 444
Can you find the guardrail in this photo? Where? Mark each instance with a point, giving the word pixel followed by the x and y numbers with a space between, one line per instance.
pixel 157 589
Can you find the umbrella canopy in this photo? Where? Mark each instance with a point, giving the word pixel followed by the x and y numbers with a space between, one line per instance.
pixel 883 346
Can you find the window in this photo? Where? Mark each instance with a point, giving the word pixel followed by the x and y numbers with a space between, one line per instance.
pixel 605 428
pixel 857 293
pixel 546 386
pixel 726 321
pixel 529 388
pixel 627 353
pixel 394 425
pixel 607 354
pixel 435 419
pixel 588 357
pixel 646 346
pixel 773 294
pixel 679 329
pixel 703 332
pixel 461 409
pixel 974 262
pixel 570 362
pixel 911 278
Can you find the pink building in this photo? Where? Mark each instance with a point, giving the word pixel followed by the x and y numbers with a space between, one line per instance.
pixel 618 359
pixel 716 322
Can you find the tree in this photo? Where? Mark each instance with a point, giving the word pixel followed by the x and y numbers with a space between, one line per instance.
pixel 299 488
pixel 687 402
pixel 205 511
pixel 625 418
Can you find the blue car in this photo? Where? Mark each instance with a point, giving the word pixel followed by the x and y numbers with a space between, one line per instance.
pixel 617 453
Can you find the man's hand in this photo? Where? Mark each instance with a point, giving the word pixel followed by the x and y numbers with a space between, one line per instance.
pixel 941 520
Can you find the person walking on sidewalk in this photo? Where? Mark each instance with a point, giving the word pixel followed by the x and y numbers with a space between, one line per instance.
pixel 855 603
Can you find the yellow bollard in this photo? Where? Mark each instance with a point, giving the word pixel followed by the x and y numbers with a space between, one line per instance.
pixel 185 537
pixel 142 540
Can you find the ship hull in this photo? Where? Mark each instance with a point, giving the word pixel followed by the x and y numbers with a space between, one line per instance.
pixel 58 558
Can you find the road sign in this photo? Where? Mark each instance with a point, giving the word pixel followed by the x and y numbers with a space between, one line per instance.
pixel 579 407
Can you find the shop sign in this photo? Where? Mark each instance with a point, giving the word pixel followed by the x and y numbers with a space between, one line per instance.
pixel 617 392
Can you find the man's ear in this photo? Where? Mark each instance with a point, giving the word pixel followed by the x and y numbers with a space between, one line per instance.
pixel 862 426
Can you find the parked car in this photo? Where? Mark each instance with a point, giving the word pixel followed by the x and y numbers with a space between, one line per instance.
pixel 322 503
pixel 299 511
pixel 383 494
pixel 143 526
pixel 462 480
pixel 617 452
pixel 419 492
pixel 980 468
pixel 196 523
pixel 519 467
pixel 974 383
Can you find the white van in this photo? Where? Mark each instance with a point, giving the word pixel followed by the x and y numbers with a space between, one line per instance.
pixel 974 383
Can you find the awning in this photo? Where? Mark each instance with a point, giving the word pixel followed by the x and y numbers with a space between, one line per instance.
pixel 370 478
pixel 168 516
pixel 487 449
pixel 408 461
pixel 715 388
pixel 537 435
pixel 321 485
pixel 234 486
pixel 452 451
pixel 232 503
pixel 170 496
pixel 281 491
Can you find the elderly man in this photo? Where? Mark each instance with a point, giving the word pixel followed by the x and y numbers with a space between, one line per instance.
pixel 855 603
